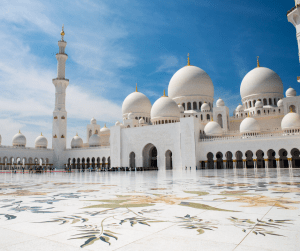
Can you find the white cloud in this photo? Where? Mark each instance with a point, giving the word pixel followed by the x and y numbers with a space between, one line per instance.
pixel 27 92
pixel 168 64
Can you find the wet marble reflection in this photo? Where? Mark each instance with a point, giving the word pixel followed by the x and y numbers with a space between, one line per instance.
pixel 111 210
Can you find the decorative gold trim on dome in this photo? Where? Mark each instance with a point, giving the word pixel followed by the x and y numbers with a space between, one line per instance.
pixel 258 65
pixel 164 94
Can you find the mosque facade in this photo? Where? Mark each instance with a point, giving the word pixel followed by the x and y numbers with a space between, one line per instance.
pixel 182 130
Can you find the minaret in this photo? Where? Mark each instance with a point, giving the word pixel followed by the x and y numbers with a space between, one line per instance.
pixel 293 16
pixel 59 131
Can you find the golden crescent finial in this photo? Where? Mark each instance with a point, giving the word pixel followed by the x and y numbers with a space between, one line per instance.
pixel 258 65
pixel 164 94
pixel 188 55
pixel 136 90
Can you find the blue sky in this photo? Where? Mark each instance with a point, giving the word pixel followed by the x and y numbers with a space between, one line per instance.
pixel 114 44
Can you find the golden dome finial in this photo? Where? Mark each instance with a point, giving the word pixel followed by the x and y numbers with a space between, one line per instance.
pixel 62 33
pixel 188 59
pixel 104 125
pixel 41 134
pixel 258 65
pixel 291 109
pixel 212 119
pixel 248 115
pixel 136 90
pixel 76 133
pixel 19 131
pixel 164 94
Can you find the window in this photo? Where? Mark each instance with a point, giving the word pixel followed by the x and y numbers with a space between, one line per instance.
pixel 208 117
pixel 189 107
pixel 183 104
pixel 194 105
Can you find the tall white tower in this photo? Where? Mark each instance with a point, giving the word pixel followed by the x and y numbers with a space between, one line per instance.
pixel 59 131
pixel 293 16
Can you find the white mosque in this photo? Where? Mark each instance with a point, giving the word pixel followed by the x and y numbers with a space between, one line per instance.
pixel 181 130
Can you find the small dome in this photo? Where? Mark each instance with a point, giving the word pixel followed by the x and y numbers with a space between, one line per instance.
pixel 136 102
pixel 142 121
pixel 220 102
pixel 94 140
pixel 41 142
pixel 190 81
pixel 239 108
pixel 93 121
pixel 212 128
pixel 19 140
pixel 118 123
pixel 259 104
pixel 261 80
pixel 181 108
pixel 165 108
pixel 104 129
pixel 205 107
pixel 249 125
pixel 130 115
pixel 290 92
pixel 280 103
pixel 76 142
pixel 290 121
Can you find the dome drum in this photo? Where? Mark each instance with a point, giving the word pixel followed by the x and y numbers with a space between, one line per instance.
pixel 194 103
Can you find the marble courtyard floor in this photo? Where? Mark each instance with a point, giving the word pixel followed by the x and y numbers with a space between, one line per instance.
pixel 155 210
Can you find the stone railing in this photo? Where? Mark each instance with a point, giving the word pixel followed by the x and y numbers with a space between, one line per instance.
pixel 88 148
pixel 240 137
pixel 27 148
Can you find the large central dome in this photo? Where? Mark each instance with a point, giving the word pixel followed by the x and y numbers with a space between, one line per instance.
pixel 261 80
pixel 190 81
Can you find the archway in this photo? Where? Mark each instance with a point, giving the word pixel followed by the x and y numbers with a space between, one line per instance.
pixel 169 162
pixel 249 159
pixel 83 163
pixel 229 162
pixel 103 163
pixel 220 120
pixel 283 161
pixel 295 158
pixel 271 158
pixel 108 162
pixel 210 161
pixel 132 160
pixel 260 159
pixel 150 156
pixel 239 159
pixel 93 163
pixel 219 156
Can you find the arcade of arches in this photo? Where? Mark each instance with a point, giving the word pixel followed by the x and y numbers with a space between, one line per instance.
pixel 259 159
pixel 21 162
pixel 86 163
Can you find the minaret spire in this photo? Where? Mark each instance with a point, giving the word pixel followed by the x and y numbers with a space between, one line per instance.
pixel 62 33
pixel 59 130
pixel 258 65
